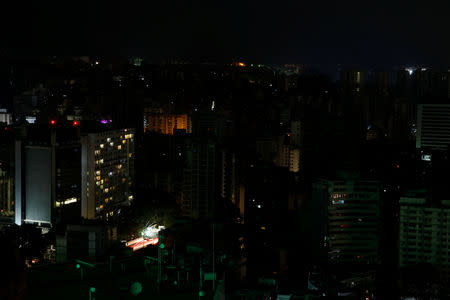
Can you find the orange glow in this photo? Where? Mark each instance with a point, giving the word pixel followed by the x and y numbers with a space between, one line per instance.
pixel 166 123
pixel 241 64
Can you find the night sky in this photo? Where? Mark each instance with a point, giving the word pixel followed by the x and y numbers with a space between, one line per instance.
pixel 368 33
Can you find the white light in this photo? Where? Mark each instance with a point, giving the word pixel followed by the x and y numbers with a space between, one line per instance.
pixel 67 201
pixel 30 120
pixel 410 71
pixel 152 231
pixel 426 157
pixel 259 205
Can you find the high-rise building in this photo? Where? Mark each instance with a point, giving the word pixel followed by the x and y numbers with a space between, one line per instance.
pixel 47 175
pixel 433 126
pixel 167 123
pixel 424 232
pixel 6 177
pixel 288 157
pixel 352 81
pixel 296 133
pixel 199 178
pixel 6 193
pixel 107 172
pixel 353 220
pixel 229 178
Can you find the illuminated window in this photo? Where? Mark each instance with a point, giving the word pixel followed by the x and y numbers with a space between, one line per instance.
pixel 111 144
pixel 98 177
pixel 106 190
pixel 101 181
pixel 97 152
pixel 102 146
pixel 101 207
pixel 124 141
pixel 130 154
pixel 101 160
pixel 108 140
pixel 106 200
pixel 119 167
pixel 119 147
pixel 98 182
pixel 123 180
pixel 97 172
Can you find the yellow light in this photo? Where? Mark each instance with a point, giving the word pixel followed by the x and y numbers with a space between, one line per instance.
pixel 241 64
pixel 119 147
pixel 263 228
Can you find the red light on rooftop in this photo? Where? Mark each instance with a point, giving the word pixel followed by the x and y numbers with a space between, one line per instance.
pixel 75 123
pixel 52 122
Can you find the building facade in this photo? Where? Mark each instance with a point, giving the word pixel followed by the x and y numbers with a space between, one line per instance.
pixel 107 172
pixel 353 221
pixel 47 176
pixel 424 233
pixel 199 178
pixel 167 123
pixel 433 126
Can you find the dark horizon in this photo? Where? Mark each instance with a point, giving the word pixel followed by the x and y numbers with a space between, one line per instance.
pixel 385 34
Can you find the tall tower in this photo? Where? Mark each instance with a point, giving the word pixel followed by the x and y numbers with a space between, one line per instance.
pixel 107 173
pixel 353 220
pixel 199 178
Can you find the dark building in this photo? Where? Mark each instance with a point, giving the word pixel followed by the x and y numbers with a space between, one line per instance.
pixel 7 200
pixel 48 175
